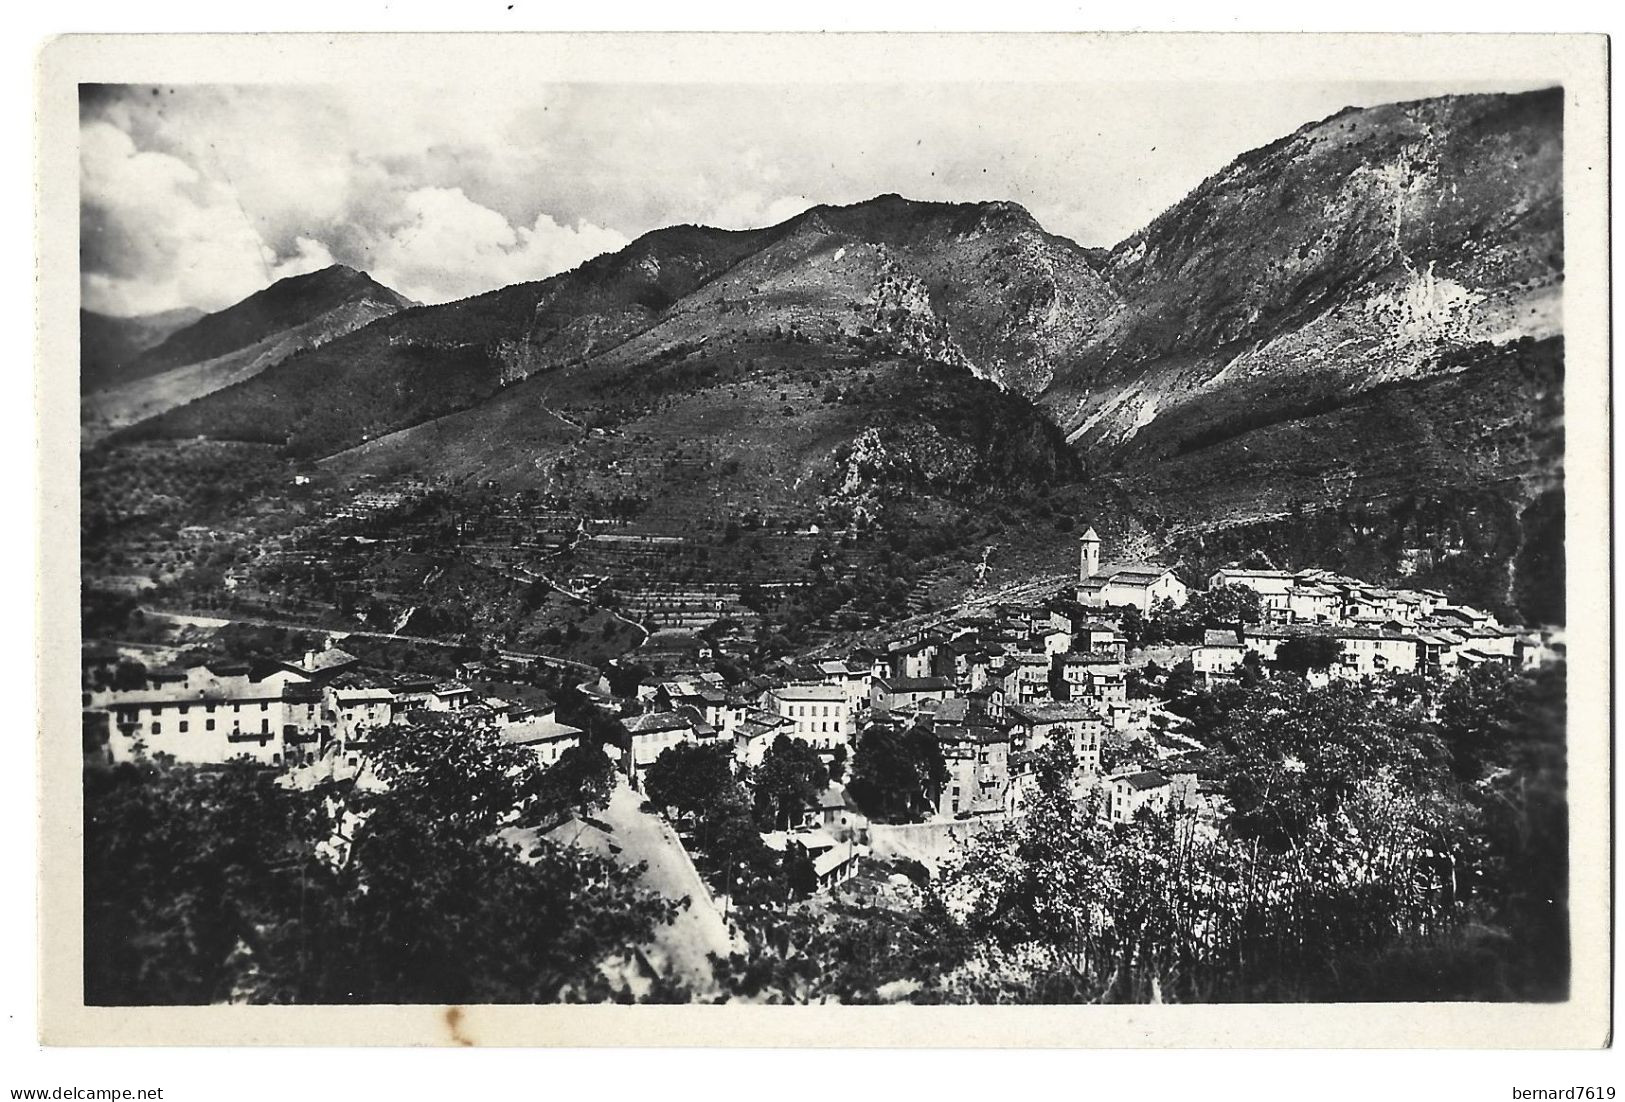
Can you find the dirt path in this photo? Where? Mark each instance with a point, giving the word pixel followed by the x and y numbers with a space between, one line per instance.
pixel 681 950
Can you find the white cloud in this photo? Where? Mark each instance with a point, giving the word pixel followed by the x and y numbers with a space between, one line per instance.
pixel 169 236
pixel 449 191
pixel 450 247
pixel 309 255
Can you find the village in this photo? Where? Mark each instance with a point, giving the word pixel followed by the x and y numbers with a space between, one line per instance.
pixel 988 684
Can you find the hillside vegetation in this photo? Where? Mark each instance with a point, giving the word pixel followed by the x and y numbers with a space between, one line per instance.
pixel 1360 319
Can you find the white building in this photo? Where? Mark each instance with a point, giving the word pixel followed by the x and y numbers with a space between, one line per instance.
pixel 1139 584
pixel 210 715
pixel 1220 652
pixel 1077 722
pixel 822 715
pixel 543 736
pixel 1128 792
pixel 654 732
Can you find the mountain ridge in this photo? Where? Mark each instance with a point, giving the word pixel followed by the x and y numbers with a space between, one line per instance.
pixel 1400 243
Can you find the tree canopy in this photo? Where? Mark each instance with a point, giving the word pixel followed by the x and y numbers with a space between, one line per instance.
pixel 897 775
pixel 214 884
pixel 1300 654
pixel 788 783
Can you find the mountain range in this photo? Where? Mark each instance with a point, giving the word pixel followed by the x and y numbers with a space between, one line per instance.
pixel 1348 340
pixel 136 368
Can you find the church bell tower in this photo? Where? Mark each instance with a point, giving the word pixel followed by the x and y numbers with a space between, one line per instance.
pixel 1088 555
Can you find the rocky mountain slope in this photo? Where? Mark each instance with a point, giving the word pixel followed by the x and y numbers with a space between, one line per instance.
pixel 1354 252
pixel 108 344
pixel 976 285
pixel 1360 318
pixel 232 345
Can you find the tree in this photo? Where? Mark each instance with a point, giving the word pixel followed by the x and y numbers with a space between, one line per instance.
pixel 788 783
pixel 207 884
pixel 837 763
pixel 1180 682
pixel 690 778
pixel 896 775
pixel 800 875
pixel 181 864
pixel 1302 653
pixel 1133 626
pixel 1296 755
pixel 582 781
pixel 1227 606
pixel 625 677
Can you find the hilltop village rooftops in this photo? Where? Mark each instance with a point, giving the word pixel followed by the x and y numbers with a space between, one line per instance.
pixel 217 690
pixel 915 644
pixel 1331 631
pixel 836 798
pixel 374 694
pixel 970 732
pixel 1143 780
pixel 757 723
pixel 952 710
pixel 1220 637
pixel 836 668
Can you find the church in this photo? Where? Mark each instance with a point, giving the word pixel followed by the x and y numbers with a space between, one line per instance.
pixel 1141 584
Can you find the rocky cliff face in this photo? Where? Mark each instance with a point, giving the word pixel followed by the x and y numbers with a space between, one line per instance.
pixel 1356 251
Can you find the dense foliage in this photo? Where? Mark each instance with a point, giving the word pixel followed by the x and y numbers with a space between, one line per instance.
pixel 209 885
pixel 1404 840
pixel 897 774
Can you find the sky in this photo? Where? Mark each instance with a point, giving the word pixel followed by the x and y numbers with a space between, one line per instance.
pixel 199 195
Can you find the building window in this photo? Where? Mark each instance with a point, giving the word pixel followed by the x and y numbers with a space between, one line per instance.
pixel 183 709
pixel 156 727
pixel 183 724
pixel 208 725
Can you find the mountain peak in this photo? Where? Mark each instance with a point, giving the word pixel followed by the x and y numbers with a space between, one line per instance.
pixel 287 303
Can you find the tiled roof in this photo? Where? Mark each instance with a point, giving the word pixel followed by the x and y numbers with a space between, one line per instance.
pixel 1246 572
pixel 1055 711
pixel 656 722
pixel 810 692
pixel 326 660
pixel 914 684
pixel 1134 573
pixel 1092 658
pixel 530 731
